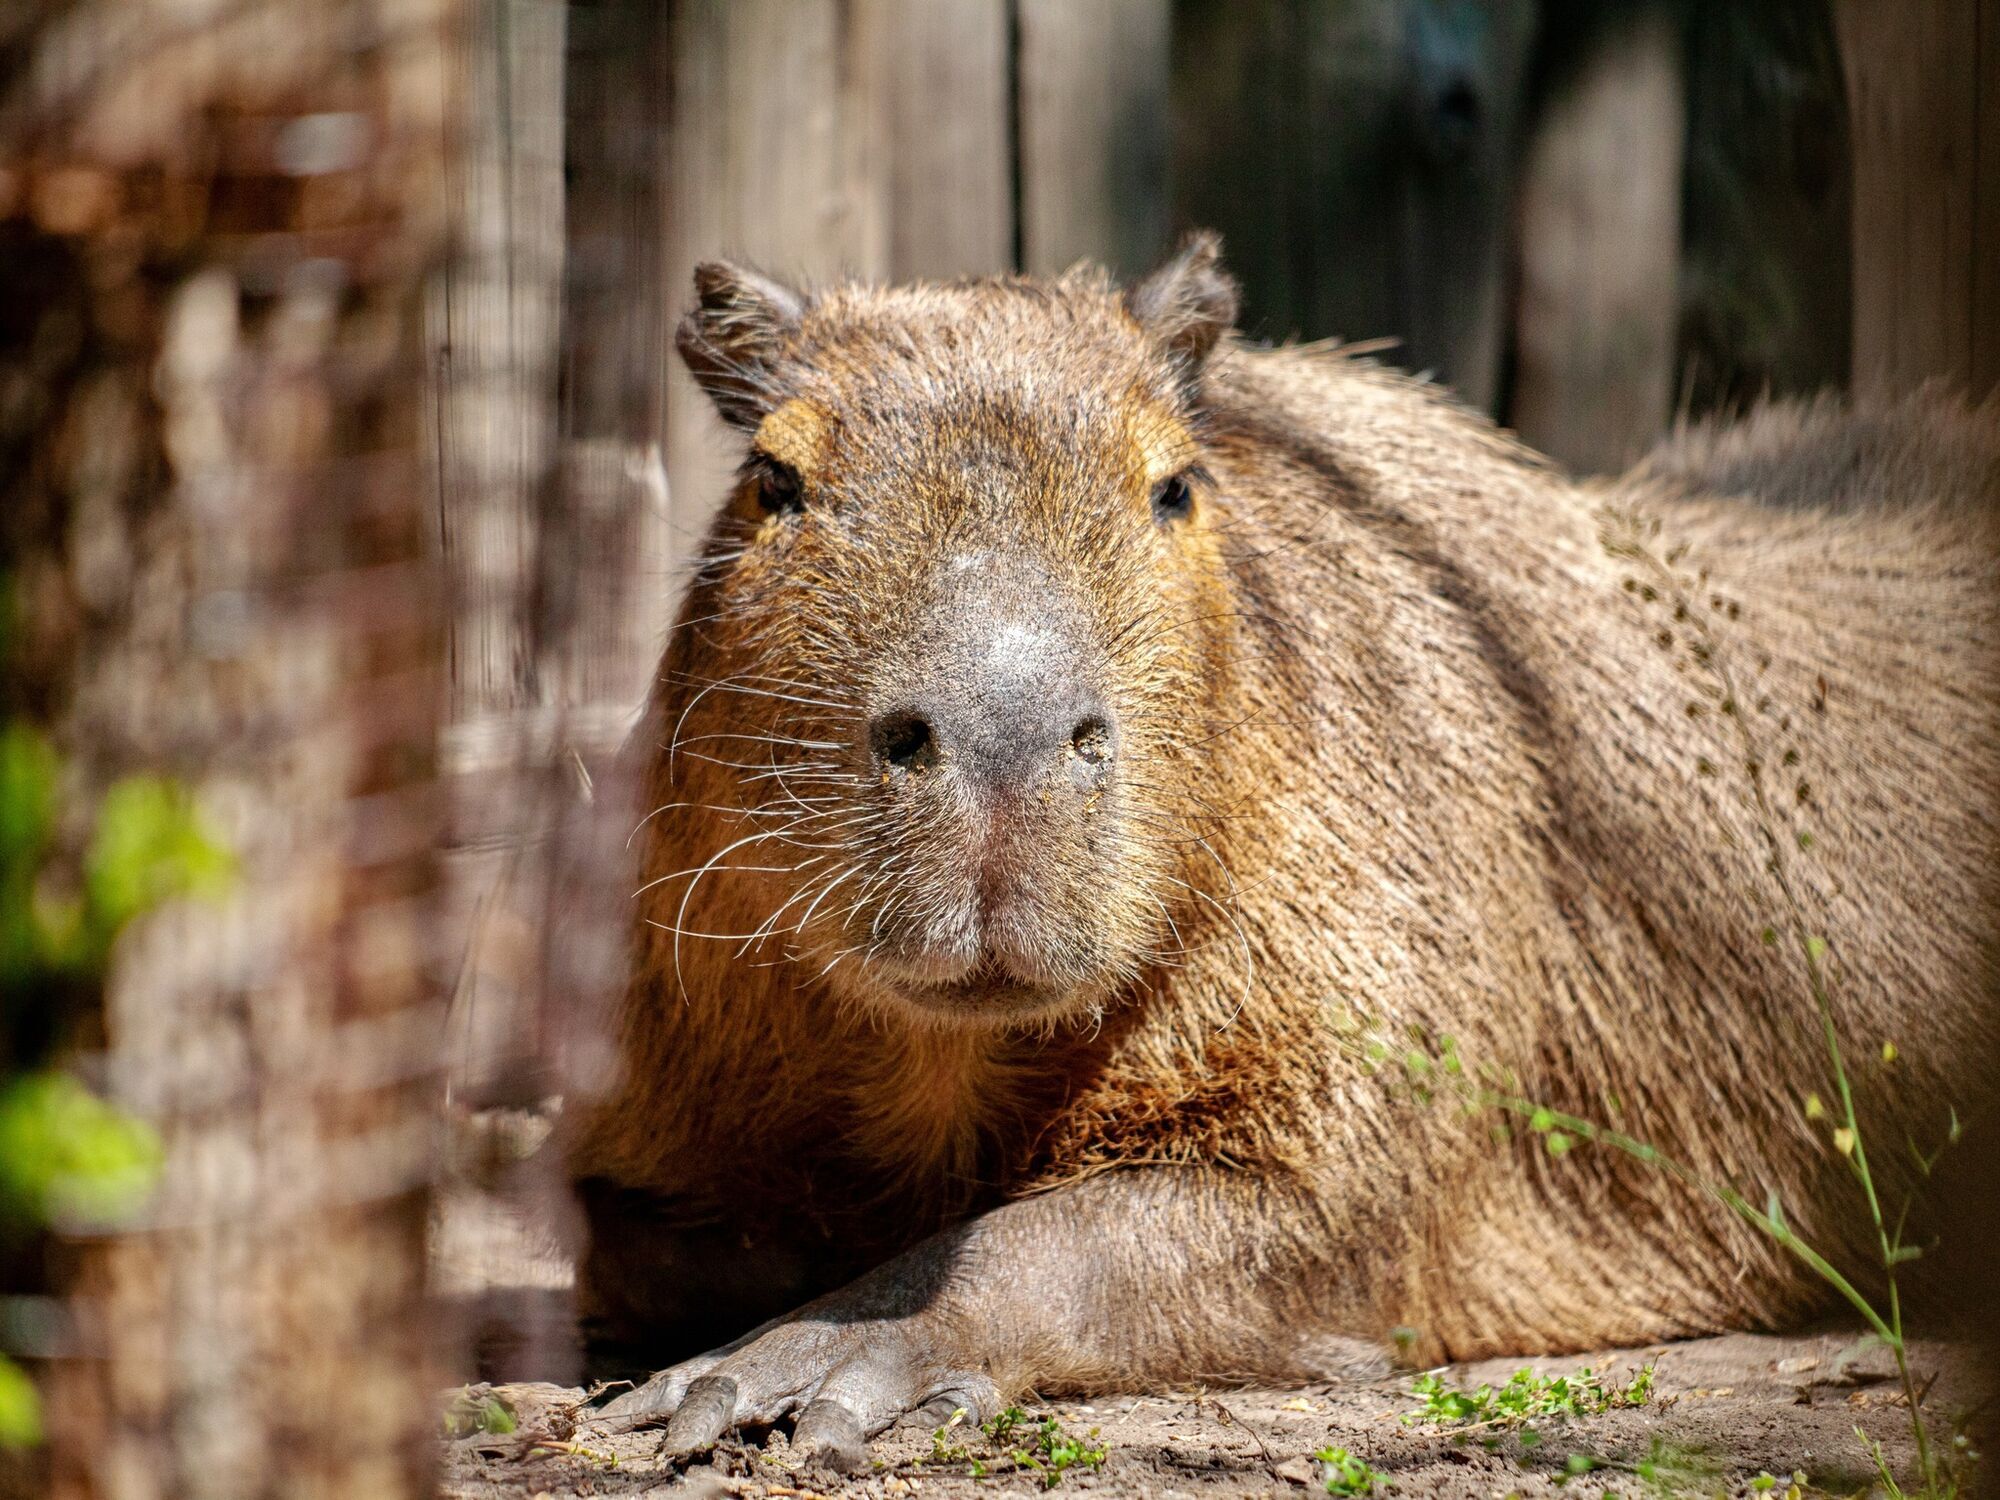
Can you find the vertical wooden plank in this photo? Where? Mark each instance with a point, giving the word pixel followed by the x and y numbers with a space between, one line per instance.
pixel 1359 159
pixel 777 156
pixel 496 330
pixel 1600 249
pixel 541 804
pixel 948 72
pixel 1236 152
pixel 1767 211
pixel 1093 127
pixel 495 322
pixel 1986 216
pixel 1464 66
pixel 1913 93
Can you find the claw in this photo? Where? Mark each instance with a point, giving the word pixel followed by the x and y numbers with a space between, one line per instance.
pixel 831 1435
pixel 935 1413
pixel 653 1401
pixel 705 1413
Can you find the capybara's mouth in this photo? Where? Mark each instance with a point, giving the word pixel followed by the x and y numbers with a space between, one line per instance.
pixel 988 992
pixel 983 995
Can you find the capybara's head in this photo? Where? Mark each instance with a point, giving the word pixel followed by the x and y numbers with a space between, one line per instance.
pixel 957 638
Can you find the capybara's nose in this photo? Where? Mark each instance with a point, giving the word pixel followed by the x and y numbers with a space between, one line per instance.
pixel 1001 731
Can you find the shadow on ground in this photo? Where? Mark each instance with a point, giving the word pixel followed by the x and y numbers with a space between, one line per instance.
pixel 1724 1410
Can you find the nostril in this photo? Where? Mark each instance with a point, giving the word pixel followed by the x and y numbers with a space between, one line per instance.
pixel 904 740
pixel 1091 740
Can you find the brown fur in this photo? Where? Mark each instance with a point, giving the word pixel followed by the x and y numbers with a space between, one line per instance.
pixel 1403 754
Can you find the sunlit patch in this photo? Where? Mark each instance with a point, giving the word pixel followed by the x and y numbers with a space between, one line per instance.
pixel 1161 443
pixel 797 433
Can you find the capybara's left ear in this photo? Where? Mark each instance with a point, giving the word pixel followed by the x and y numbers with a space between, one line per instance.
pixel 1188 304
pixel 733 337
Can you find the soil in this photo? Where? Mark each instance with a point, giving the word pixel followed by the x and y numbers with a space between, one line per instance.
pixel 1723 1411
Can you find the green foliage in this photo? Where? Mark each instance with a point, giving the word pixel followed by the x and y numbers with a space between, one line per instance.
pixel 1040 1446
pixel 946 1449
pixel 20 1407
pixel 67 1157
pixel 1000 1430
pixel 1348 1475
pixel 147 846
pixel 471 1410
pixel 1526 1398
pixel 1049 1451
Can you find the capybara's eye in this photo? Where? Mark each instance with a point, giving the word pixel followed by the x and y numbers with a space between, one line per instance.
pixel 1173 499
pixel 779 492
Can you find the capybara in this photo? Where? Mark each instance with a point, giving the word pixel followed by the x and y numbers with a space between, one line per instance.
pixel 1128 808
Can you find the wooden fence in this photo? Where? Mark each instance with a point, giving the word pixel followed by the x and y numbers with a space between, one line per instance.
pixel 1499 187
pixel 1583 216
pixel 328 449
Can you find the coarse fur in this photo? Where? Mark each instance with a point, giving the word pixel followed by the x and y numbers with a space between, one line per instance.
pixel 1409 747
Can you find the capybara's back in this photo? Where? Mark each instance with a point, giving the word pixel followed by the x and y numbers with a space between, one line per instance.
pixel 1132 813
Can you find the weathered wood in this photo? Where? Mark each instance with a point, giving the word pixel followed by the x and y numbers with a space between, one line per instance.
pixel 496 334
pixel 240 210
pixel 1986 216
pixel 1093 151
pixel 541 805
pixel 1926 181
pixel 777 142
pixel 1359 159
pixel 1766 306
pixel 1600 249
pixel 947 67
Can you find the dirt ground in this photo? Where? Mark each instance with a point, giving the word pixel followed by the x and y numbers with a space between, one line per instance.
pixel 1723 1411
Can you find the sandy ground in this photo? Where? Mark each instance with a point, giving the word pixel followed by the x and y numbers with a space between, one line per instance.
pixel 1725 1409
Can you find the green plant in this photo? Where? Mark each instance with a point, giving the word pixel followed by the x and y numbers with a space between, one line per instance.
pixel 20 1407
pixel 1038 1445
pixel 146 846
pixel 1525 1398
pixel 470 1411
pixel 1348 1475
pixel 1050 1451
pixel 945 1449
pixel 67 1158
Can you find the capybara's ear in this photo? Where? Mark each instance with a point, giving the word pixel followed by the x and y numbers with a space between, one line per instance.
pixel 1187 304
pixel 733 337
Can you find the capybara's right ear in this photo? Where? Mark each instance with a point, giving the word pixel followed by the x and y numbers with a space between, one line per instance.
pixel 733 337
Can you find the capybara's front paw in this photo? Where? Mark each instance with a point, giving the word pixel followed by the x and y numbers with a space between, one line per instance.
pixel 847 1374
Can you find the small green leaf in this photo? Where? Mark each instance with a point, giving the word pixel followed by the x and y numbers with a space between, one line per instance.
pixel 472 1410
pixel 20 1407
pixel 1816 948
pixel 67 1157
